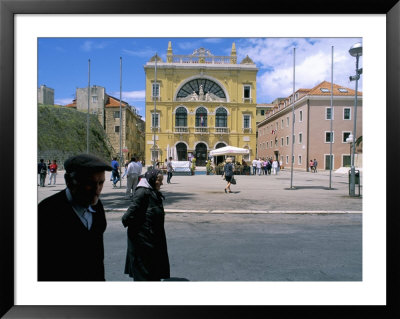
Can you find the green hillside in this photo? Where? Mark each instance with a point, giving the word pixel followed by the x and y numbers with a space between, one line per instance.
pixel 64 130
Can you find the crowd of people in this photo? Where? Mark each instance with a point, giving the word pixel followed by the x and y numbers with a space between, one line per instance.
pixel 264 166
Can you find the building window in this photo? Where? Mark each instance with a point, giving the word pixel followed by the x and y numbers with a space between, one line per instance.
pixel 328 161
pixel 281 123
pixel 300 138
pixel 116 114
pixel 324 90
pixel 281 141
pixel 156 90
pixel 294 138
pixel 301 116
pixel 300 159
pixel 155 120
pixel 346 161
pixel 247 92
pixel 287 121
pixel 342 90
pixel 221 117
pixel 345 136
pixel 271 143
pixel 262 112
pixel 116 129
pixel 346 113
pixel 287 159
pixel 94 98
pixel 328 137
pixel 246 121
pixel 328 113
pixel 201 117
pixel 287 140
pixel 181 117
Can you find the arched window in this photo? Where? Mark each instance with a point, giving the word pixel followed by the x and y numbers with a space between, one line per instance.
pixel 181 116
pixel 221 117
pixel 201 117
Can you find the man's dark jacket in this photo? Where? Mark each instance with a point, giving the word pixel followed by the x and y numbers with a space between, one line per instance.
pixel 147 254
pixel 67 250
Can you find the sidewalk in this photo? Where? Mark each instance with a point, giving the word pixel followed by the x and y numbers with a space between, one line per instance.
pixel 252 194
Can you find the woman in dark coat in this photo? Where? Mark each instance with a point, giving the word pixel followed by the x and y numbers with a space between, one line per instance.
pixel 228 171
pixel 147 254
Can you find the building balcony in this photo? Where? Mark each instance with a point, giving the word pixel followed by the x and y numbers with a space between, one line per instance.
pixel 246 130
pixel 201 130
pixel 181 130
pixel 155 129
pixel 221 130
pixel 247 100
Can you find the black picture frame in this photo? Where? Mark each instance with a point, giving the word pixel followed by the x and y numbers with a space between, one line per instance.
pixel 8 10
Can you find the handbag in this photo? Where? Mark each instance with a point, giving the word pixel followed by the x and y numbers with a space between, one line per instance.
pixel 233 180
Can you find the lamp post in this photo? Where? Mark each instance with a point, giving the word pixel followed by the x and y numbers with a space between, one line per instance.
pixel 355 51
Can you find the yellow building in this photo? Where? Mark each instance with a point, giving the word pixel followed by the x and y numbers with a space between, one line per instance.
pixel 199 102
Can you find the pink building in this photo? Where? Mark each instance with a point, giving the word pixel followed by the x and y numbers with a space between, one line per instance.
pixel 312 128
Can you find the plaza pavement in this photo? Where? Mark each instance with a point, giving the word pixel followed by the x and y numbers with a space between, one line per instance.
pixel 252 194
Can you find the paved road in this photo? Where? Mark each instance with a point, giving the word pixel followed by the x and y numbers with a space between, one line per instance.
pixel 264 231
pixel 251 247
pixel 202 193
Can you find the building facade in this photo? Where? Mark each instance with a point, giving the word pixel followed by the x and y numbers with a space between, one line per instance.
pixel 312 128
pixel 45 95
pixel 107 109
pixel 199 102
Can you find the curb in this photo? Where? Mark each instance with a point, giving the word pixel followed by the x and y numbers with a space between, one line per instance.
pixel 180 211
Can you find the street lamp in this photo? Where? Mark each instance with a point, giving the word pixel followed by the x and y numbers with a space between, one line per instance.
pixel 355 51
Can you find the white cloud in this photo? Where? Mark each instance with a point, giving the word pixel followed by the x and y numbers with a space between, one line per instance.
pixel 274 58
pixel 131 96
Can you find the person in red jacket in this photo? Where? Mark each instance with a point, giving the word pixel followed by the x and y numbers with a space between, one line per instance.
pixel 53 172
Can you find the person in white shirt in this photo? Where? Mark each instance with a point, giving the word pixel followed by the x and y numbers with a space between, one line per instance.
pixel 259 164
pixel 254 164
pixel 132 177
pixel 275 167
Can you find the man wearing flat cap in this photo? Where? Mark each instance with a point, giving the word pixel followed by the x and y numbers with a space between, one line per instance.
pixel 71 224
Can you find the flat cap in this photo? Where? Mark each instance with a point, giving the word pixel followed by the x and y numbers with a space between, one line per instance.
pixel 86 162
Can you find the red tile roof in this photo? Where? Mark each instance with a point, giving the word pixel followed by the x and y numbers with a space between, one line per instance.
pixel 114 102
pixel 73 104
pixel 327 85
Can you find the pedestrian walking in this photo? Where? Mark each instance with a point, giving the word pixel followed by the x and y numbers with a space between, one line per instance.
pixel 126 169
pixel 132 177
pixel 53 172
pixel 71 224
pixel 311 165
pixel 228 174
pixel 147 254
pixel 315 165
pixel 170 169
pixel 115 172
pixel 42 171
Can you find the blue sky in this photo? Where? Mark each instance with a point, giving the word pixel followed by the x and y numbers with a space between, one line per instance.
pixel 63 63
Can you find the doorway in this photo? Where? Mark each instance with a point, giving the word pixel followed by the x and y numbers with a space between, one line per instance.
pixel 181 150
pixel 200 154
